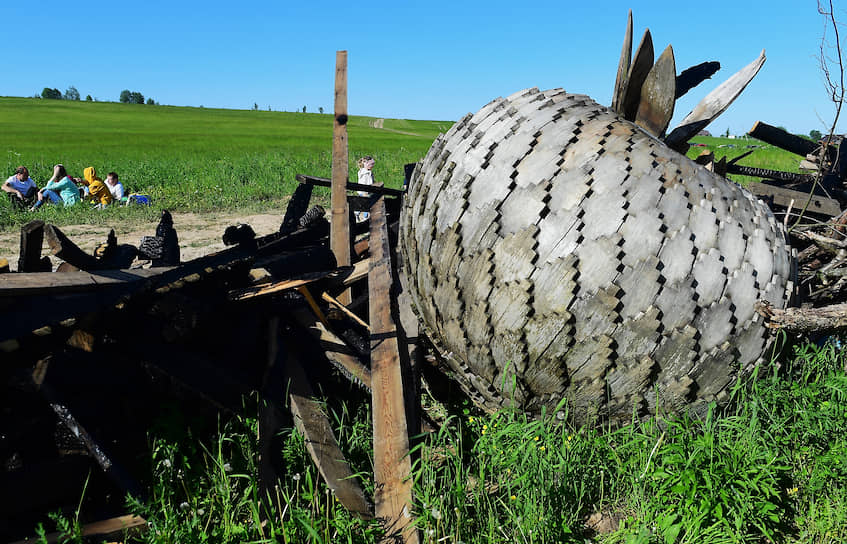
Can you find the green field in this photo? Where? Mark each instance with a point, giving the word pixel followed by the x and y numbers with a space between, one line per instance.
pixel 192 159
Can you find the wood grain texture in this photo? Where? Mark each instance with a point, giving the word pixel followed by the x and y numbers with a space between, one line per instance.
pixel 641 64
pixel 340 214
pixel 658 95
pixel 392 464
pixel 623 66
pixel 714 104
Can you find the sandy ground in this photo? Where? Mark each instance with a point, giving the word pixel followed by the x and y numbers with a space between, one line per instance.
pixel 198 234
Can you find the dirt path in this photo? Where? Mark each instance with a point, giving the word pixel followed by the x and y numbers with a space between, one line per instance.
pixel 198 234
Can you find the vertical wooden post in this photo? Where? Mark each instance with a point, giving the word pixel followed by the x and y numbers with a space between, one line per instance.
pixel 340 218
pixel 32 237
pixel 392 465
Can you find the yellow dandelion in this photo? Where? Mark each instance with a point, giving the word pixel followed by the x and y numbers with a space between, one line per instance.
pixel 570 437
pixel 470 420
pixel 792 491
pixel 513 497
pixel 542 448
pixel 537 439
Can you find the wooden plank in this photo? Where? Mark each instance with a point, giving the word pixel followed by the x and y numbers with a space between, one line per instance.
pixel 783 197
pixel 270 288
pixel 345 310
pixel 337 351
pixel 297 208
pixel 623 66
pixel 311 420
pixel 42 283
pixel 372 189
pixel 714 104
pixel 392 465
pixel 97 528
pixel 61 246
pixel 766 173
pixel 32 238
pixel 658 95
pixel 340 213
pixel 691 77
pixel 641 65
pixel 782 139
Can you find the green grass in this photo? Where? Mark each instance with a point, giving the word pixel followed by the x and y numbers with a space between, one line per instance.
pixel 192 159
pixel 770 467
pixel 763 156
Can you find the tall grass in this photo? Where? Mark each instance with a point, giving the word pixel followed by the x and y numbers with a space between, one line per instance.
pixel 769 467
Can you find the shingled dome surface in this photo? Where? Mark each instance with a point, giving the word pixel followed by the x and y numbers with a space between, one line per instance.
pixel 554 250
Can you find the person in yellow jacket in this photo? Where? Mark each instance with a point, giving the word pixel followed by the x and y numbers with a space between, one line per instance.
pixel 95 189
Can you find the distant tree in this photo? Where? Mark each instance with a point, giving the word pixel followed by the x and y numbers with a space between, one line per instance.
pixel 136 98
pixel 321 109
pixel 52 94
pixel 71 93
pixel 815 135
pixel 726 134
pixel 88 98
pixel 304 109
pixel 126 96
pixel 255 106
pixel 151 102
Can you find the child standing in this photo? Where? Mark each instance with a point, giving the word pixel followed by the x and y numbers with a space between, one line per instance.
pixel 366 177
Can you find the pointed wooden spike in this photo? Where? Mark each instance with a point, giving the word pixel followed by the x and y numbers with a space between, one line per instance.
pixel 714 104
pixel 641 65
pixel 658 95
pixel 691 77
pixel 623 66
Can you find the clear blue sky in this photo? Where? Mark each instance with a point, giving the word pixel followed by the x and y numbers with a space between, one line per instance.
pixel 418 60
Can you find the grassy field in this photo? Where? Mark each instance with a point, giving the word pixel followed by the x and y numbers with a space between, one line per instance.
pixel 192 159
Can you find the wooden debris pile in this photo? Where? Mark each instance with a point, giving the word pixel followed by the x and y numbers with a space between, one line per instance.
pixel 91 353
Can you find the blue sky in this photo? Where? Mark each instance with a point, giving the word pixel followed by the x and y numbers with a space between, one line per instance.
pixel 416 60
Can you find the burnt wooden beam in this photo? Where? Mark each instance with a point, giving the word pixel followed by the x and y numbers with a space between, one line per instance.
pixel 782 139
pixel 297 208
pixel 32 238
pixel 339 354
pixel 61 246
pixel 765 173
pixel 372 189
pixel 691 77
pixel 392 464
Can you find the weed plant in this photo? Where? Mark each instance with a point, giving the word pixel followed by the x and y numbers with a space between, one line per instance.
pixel 768 467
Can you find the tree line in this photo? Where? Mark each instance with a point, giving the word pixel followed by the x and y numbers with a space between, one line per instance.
pixel 126 97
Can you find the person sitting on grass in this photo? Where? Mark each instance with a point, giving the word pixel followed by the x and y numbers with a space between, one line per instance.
pixel 21 188
pixel 60 189
pixel 115 187
pixel 94 188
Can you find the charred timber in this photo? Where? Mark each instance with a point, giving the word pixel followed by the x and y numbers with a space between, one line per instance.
pixel 782 139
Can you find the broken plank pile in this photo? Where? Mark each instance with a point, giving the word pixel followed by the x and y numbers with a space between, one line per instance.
pixel 93 353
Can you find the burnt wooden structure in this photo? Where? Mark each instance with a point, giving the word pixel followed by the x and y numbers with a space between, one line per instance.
pixel 165 335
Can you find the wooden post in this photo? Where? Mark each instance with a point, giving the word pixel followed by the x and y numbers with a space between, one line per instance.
pixel 32 237
pixel 392 465
pixel 340 221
